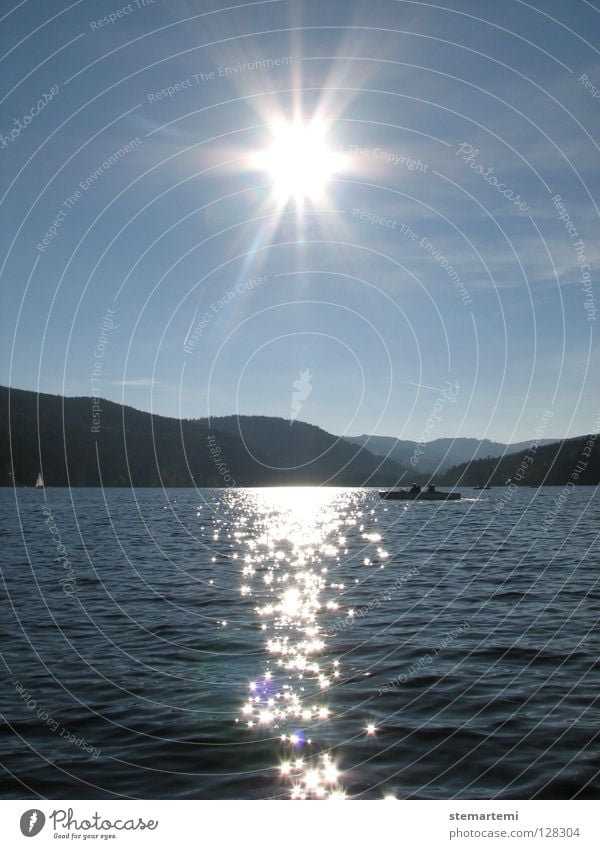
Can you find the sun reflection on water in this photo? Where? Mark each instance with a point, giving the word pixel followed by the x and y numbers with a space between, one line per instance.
pixel 285 570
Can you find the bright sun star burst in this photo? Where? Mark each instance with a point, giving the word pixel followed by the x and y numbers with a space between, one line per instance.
pixel 299 161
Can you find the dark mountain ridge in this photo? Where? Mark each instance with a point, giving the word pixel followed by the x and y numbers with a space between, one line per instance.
pixel 91 442
pixel 75 443
pixel 573 461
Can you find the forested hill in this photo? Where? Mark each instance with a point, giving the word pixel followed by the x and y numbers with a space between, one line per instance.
pixel 73 443
pixel 575 461
pixel 299 446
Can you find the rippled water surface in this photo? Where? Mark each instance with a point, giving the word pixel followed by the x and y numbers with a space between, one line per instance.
pixel 303 643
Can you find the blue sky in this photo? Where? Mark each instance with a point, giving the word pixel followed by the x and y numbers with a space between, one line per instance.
pixel 174 215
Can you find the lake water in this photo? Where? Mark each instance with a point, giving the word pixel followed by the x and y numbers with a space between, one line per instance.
pixel 308 643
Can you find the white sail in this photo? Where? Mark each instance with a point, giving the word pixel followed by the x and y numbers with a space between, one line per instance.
pixel 39 481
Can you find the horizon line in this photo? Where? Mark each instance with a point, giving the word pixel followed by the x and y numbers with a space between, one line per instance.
pixel 481 439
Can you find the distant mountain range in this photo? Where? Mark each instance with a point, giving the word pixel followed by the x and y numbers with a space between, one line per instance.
pixel 91 442
pixel 439 454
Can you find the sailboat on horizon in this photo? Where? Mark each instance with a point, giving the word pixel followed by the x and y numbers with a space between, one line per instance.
pixel 39 481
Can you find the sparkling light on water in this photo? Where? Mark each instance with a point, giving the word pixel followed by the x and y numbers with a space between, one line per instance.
pixel 286 571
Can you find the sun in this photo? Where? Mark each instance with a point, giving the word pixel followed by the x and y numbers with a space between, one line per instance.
pixel 299 161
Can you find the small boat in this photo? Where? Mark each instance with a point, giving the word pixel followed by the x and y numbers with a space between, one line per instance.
pixel 482 487
pixel 408 495
pixel 39 482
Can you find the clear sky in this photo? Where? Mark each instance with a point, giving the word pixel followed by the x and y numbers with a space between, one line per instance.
pixel 148 257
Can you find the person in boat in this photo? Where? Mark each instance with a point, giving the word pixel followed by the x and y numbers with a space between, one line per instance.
pixel 431 488
pixel 415 489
